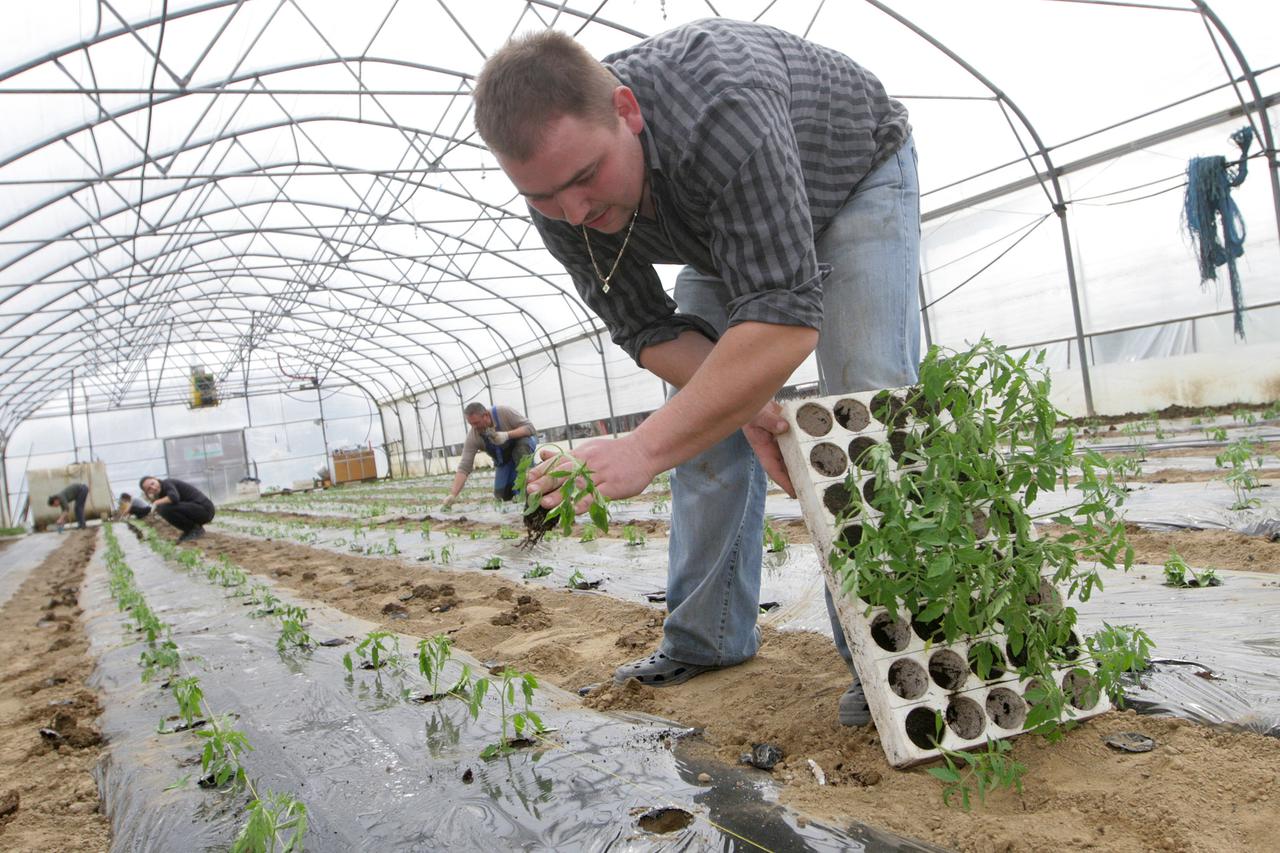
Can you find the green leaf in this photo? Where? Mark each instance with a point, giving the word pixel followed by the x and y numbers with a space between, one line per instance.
pixel 945 774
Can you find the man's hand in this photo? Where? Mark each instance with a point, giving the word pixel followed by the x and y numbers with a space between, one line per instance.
pixel 619 468
pixel 448 503
pixel 499 437
pixel 762 432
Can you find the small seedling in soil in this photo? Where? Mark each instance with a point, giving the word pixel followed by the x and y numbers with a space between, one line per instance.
pixel 189 696
pixel 588 533
pixel 1243 460
pixel 538 571
pixel 965 774
pixel 660 505
pixel 576 485
pixel 220 758
pixel 774 540
pixel 293 635
pixel 1118 650
pixel 492 563
pixel 505 532
pixel 1216 434
pixel 426 531
pixel 578 580
pixel 1178 574
pixel 433 653
pixel 377 650
pixel 160 657
pixel 520 720
pixel 446 554
pixel 632 535
pixel 277 822
pixel 392 549
pixel 476 534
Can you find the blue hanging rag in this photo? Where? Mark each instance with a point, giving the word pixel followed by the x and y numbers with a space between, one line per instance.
pixel 1209 183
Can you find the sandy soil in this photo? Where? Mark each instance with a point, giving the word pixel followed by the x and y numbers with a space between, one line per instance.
pixel 44 661
pixel 1200 790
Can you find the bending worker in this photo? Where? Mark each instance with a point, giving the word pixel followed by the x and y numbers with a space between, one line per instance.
pixel 129 505
pixel 73 495
pixel 179 503
pixel 503 433
pixel 783 177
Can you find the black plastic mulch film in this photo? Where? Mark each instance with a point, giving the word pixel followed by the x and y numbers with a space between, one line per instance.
pixel 379 772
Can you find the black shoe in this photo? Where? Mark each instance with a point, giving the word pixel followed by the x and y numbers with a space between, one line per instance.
pixel 195 532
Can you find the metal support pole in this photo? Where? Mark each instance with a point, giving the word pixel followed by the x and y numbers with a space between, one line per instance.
pixel 324 434
pixel 1061 210
pixel 71 402
pixel 444 457
pixel 88 422
pixel 422 436
pixel 924 313
pixel 386 447
pixel 608 394
pixel 6 518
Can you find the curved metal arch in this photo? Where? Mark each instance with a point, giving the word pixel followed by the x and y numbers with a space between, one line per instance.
pixel 38 376
pixel 52 347
pixel 170 251
pixel 1057 199
pixel 548 341
pixel 582 318
pixel 1268 136
pixel 105 117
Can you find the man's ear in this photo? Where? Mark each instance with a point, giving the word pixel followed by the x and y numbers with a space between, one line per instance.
pixel 628 109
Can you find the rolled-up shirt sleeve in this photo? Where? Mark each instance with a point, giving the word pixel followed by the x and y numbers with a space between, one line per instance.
pixel 744 161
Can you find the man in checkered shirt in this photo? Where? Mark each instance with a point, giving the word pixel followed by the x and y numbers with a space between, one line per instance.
pixel 783 178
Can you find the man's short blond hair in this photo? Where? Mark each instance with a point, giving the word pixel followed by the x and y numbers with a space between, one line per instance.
pixel 533 79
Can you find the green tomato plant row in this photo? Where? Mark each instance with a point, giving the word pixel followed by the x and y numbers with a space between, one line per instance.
pixel 274 821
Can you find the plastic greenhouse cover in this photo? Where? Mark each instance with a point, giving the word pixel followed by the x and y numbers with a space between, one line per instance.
pixel 377 772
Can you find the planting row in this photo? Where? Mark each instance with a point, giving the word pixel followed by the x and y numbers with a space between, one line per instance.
pixel 273 820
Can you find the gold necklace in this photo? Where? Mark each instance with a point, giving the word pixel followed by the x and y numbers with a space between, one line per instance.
pixel 605 279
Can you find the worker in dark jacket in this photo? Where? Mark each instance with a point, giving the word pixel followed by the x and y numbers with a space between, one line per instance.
pixel 179 503
pixel 73 495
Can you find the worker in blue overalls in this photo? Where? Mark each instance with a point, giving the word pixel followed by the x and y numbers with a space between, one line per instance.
pixel 506 435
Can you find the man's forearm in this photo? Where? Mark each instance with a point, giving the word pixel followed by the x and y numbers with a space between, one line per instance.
pixel 459 480
pixel 722 386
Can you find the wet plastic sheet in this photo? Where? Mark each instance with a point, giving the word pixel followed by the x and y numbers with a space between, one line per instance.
pixel 377 772
pixel 1217 649
pixel 1182 506
pixel 23 555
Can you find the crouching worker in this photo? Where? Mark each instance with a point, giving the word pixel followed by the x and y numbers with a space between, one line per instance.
pixel 506 435
pixel 129 505
pixel 179 503
pixel 73 495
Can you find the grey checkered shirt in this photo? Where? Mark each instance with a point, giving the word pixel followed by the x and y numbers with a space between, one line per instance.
pixel 754 139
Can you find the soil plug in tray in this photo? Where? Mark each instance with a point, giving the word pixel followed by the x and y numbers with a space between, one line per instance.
pixel 924 691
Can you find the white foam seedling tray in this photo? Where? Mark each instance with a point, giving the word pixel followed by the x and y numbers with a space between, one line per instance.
pixel 907 679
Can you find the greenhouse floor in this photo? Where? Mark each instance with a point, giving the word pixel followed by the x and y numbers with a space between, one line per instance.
pixel 376 555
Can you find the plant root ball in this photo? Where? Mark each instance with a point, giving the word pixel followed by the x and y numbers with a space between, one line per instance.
pixel 536 526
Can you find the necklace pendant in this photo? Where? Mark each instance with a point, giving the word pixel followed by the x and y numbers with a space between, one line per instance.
pixel 604 287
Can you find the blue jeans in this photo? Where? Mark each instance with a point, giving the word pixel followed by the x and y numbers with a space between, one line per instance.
pixel 870 339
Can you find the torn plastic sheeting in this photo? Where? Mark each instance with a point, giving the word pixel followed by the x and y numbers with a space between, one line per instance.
pixel 377 772
pixel 1229 632
pixel 1182 506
